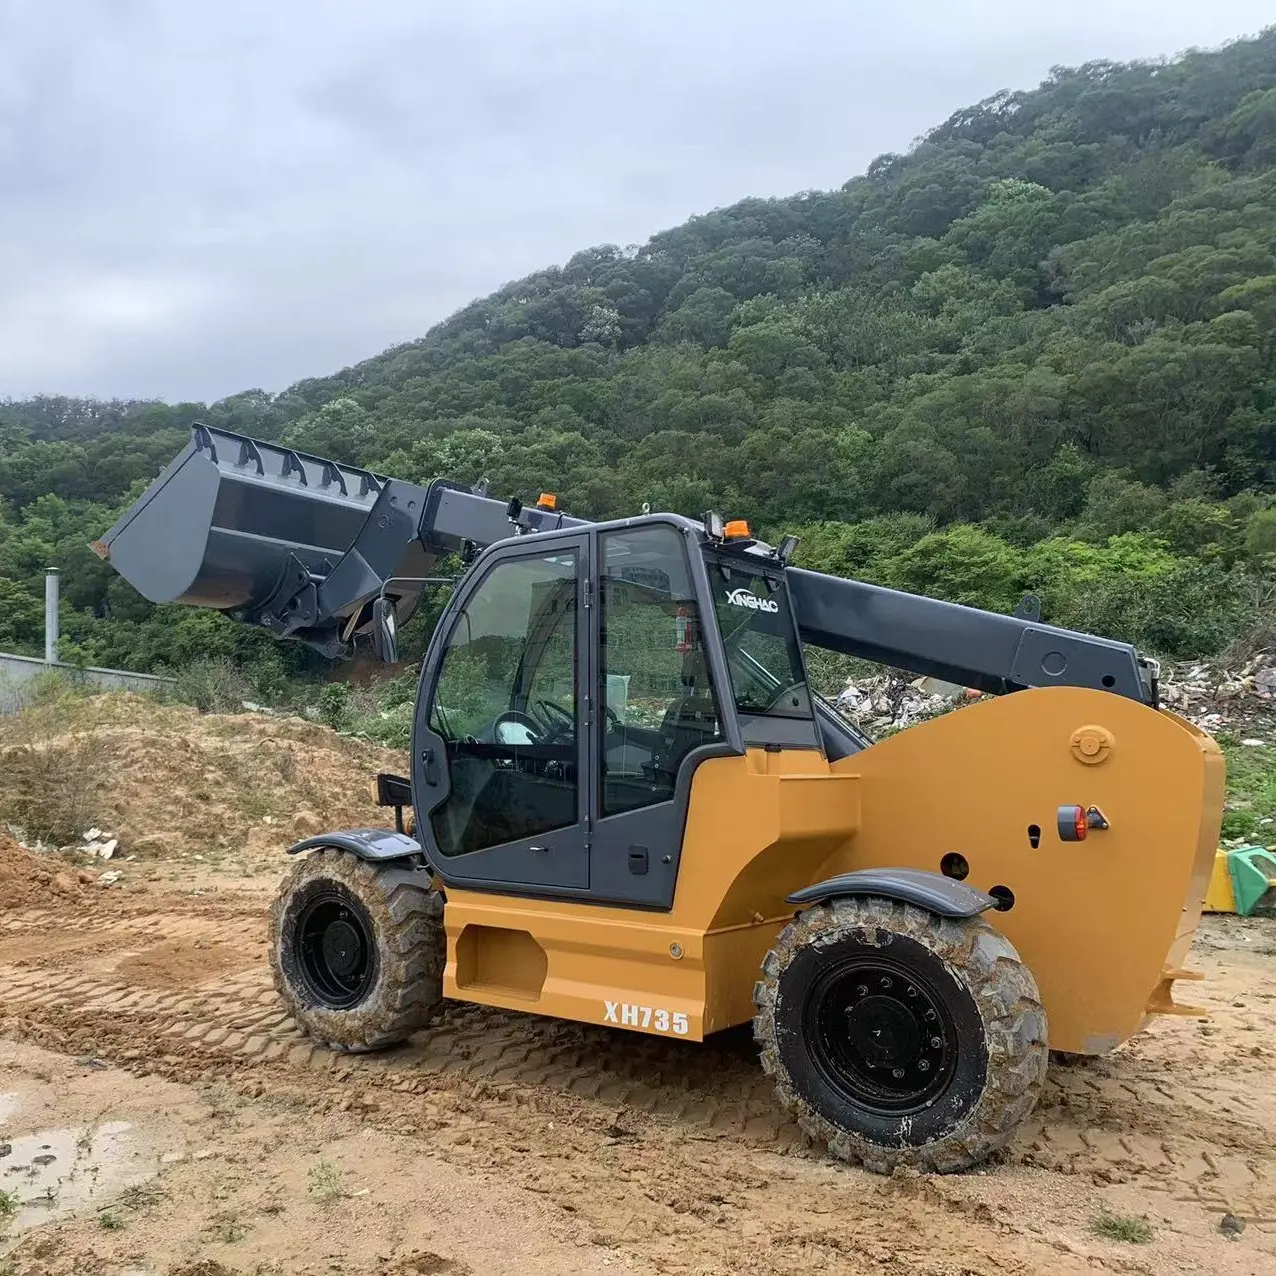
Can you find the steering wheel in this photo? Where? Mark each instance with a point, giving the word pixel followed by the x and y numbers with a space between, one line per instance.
pixel 516 717
pixel 565 720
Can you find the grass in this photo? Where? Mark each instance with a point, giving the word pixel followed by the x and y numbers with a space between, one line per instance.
pixel 54 782
pixel 111 1221
pixel 1251 791
pixel 8 1204
pixel 1121 1227
pixel 325 1181
pixel 226 1228
pixel 213 686
pixel 141 1196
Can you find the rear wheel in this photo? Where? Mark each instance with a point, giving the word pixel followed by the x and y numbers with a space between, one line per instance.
pixel 896 1037
pixel 357 950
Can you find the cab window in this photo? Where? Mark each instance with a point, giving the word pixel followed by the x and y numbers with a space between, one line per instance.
pixel 505 707
pixel 655 680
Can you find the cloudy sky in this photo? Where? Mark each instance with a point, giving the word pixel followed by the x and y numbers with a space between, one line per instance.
pixel 197 198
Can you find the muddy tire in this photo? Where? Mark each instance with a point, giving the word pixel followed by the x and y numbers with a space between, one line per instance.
pixel 898 1038
pixel 357 950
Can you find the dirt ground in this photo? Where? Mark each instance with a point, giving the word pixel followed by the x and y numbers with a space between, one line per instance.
pixel 161 1116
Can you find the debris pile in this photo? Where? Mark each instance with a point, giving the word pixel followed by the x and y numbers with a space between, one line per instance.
pixel 98 844
pixel 892 701
pixel 1237 701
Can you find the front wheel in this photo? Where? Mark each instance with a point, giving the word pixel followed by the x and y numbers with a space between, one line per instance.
pixel 357 950
pixel 897 1037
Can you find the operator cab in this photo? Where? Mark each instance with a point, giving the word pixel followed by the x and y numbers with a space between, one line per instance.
pixel 573 685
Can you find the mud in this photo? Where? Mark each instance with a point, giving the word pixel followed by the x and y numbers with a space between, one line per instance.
pixel 657 1155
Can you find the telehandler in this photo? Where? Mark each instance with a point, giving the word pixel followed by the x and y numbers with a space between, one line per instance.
pixel 628 807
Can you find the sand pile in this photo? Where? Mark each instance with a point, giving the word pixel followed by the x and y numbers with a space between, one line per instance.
pixel 28 880
pixel 167 780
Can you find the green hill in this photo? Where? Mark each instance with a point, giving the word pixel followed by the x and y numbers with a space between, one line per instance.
pixel 1036 352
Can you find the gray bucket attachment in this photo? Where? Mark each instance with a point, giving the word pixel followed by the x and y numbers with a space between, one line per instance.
pixel 298 544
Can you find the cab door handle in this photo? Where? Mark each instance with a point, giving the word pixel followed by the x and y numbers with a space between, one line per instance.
pixel 428 772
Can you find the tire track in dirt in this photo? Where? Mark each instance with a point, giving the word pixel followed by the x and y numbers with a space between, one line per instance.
pixel 1176 1125
pixel 676 1141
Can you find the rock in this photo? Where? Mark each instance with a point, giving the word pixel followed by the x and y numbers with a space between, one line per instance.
pixel 93 835
pixel 109 879
pixel 150 843
pixel 1231 1226
pixel 306 824
pixel 1255 744
pixel 107 849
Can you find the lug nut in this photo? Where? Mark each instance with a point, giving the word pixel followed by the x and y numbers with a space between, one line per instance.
pixel 897 1073
pixel 862 990
pixel 924 1065
pixel 935 1043
pixel 886 983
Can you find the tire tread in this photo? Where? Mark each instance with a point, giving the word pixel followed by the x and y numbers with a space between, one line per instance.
pixel 407 916
pixel 1009 1006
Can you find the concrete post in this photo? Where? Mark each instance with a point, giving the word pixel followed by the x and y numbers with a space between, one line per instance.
pixel 51 616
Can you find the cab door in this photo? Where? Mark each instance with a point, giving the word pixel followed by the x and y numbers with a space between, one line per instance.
pixel 501 756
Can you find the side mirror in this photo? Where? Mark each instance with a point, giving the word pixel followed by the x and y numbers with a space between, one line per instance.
pixel 385 631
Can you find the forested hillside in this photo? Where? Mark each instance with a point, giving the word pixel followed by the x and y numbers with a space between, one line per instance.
pixel 1036 352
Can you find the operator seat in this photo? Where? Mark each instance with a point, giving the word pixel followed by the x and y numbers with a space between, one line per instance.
pixel 691 720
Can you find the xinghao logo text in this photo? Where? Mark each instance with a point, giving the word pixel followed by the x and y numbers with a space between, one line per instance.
pixel 742 598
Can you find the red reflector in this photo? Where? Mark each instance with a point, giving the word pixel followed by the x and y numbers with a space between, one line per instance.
pixel 1080 822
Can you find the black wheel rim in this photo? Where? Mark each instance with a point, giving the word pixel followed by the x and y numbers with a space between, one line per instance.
pixel 880 1035
pixel 335 949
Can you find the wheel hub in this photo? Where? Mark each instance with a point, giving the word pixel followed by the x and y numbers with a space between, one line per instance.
pixel 334 949
pixel 883 1031
pixel 342 948
pixel 881 1035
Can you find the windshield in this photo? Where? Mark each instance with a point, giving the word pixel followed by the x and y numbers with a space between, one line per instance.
pixel 763 656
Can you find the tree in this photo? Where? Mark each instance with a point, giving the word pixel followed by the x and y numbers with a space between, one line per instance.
pixel 1038 350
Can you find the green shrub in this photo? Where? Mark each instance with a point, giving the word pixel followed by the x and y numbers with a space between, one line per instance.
pixel 1193 609
pixel 961 565
pixel 334 705
pixel 216 685
pixel 1260 535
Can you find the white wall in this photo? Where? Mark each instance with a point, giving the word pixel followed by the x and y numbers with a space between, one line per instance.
pixel 18 671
